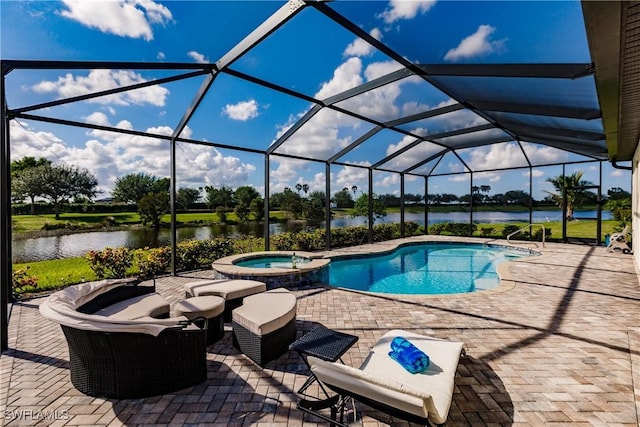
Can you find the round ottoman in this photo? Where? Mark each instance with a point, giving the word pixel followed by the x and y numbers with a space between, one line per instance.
pixel 209 307
pixel 232 290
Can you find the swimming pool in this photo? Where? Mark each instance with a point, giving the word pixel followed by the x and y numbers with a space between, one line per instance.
pixel 426 268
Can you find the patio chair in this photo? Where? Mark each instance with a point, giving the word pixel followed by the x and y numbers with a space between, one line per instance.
pixel 618 241
pixel 386 386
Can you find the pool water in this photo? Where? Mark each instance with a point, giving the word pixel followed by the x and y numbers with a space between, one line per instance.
pixel 430 268
pixel 271 262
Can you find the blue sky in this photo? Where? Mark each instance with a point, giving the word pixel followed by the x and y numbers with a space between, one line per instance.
pixel 309 54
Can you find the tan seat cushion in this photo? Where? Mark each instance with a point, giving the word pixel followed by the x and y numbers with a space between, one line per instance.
pixel 208 306
pixel 427 394
pixel 148 305
pixel 267 311
pixel 226 288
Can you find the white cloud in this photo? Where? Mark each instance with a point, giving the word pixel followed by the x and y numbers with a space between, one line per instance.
pixel 198 57
pixel 536 173
pixel 347 177
pixel 109 155
pixel 477 44
pixel 161 56
pixel 26 141
pixel 390 180
pixel 617 172
pixel 541 154
pixel 404 9
pixel 130 18
pixel 496 156
pixel 360 47
pixel 101 80
pixel 97 118
pixel 242 111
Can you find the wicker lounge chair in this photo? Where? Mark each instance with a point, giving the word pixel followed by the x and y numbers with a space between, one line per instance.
pixel 385 385
pixel 119 358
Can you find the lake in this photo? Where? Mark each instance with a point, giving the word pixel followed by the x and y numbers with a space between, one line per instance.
pixel 78 244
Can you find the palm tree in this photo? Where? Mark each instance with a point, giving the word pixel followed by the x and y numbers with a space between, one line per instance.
pixel 572 185
pixel 298 187
pixel 354 188
pixel 305 188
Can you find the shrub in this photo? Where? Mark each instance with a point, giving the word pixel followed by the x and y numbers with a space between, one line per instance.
pixel 487 231
pixel 537 234
pixel 508 229
pixel 195 254
pixel 453 229
pixel 110 263
pixel 152 262
pixel 20 279
pixel 248 243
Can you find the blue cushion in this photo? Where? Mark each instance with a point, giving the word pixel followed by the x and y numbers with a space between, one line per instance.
pixel 408 355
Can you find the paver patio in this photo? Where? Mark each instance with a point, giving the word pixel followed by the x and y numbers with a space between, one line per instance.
pixel 558 343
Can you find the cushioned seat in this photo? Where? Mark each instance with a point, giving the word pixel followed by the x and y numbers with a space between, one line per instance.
pixel 232 290
pixel 384 384
pixel 149 305
pixel 209 307
pixel 265 325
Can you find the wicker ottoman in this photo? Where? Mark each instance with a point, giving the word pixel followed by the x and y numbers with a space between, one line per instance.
pixel 265 325
pixel 232 290
pixel 209 307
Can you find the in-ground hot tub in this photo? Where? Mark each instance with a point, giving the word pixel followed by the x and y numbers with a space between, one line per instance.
pixel 275 268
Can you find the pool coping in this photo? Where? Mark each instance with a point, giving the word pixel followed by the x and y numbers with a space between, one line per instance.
pixel 227 264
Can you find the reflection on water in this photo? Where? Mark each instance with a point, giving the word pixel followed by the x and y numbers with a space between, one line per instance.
pixel 72 245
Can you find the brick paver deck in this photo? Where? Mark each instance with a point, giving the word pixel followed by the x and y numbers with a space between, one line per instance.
pixel 557 344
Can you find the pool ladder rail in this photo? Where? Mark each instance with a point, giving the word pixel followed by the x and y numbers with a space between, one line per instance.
pixel 544 233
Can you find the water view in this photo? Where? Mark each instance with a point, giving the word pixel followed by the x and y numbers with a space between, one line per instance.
pixel 72 245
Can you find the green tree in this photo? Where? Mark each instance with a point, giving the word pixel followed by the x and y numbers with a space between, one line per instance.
pixel 186 197
pixel 343 199
pixel 242 210
pixel 219 197
pixel 572 185
pixel 63 183
pixel 245 194
pixel 291 203
pixel 26 179
pixel 152 206
pixel 132 187
pixel 620 208
pixel 361 207
pixel 314 207
pixel 257 208
pixel 276 200
pixel 517 197
pixel 27 162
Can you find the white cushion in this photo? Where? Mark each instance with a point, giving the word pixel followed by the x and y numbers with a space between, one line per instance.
pixel 427 394
pixel 267 311
pixel 208 306
pixel 147 305
pixel 61 306
pixel 226 288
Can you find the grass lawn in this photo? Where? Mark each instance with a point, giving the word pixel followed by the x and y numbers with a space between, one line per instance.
pixel 33 223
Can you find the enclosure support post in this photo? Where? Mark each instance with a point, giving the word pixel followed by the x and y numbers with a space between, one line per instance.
pixel 599 211
pixel 370 205
pixel 402 205
pixel 471 200
pixel 426 205
pixel 5 227
pixel 530 197
pixel 172 202
pixel 266 201
pixel 327 205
